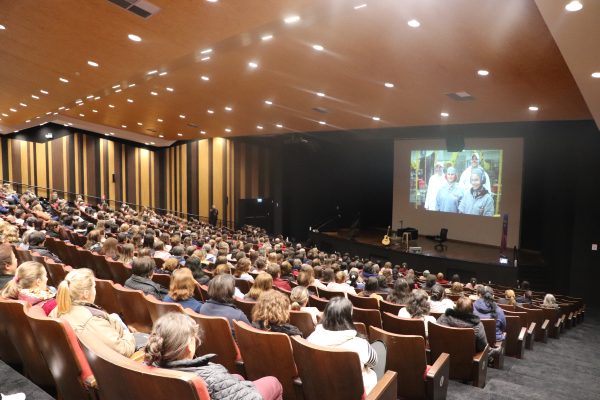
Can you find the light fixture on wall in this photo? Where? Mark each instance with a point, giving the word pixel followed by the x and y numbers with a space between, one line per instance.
pixel 48 135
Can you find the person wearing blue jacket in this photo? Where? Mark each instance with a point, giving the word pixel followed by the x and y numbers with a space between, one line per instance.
pixel 477 200
pixel 486 308
pixel 449 195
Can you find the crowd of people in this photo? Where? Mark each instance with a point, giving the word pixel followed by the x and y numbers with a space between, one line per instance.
pixel 193 252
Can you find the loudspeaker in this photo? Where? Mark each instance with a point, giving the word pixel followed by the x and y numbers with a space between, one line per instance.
pixel 455 143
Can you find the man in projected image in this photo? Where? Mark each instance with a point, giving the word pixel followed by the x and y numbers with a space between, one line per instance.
pixel 465 177
pixel 450 194
pixel 477 200
pixel 436 181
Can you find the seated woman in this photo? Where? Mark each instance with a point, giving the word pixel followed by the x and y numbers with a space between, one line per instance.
pixel 220 290
pixel 126 256
pixel 242 269
pixel 263 283
pixel 417 308
pixel 401 292
pixel 550 301
pixel 462 317
pixel 337 330
pixel 181 290
pixel 299 299
pixel 29 284
pixel 168 267
pixel 485 307
pixel 93 240
pixel 172 345
pixel 438 301
pixel 371 288
pixel 142 269
pixel 8 264
pixel 339 284
pixel 76 295
pixel 109 249
pixel 272 313
pixel 509 298
pixel 456 289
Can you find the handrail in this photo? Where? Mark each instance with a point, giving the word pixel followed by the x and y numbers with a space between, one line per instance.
pixel 99 200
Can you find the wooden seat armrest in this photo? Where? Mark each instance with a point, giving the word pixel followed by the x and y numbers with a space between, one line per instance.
pixel 240 367
pixel 386 388
pixel 478 356
pixel 297 381
pixel 531 329
pixel 557 324
pixel 522 334
pixel 545 324
pixel 90 382
pixel 438 366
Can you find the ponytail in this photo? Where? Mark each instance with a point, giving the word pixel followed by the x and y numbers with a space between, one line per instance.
pixel 73 288
pixel 153 350
pixel 63 298
pixel 11 289
pixel 25 277
pixel 295 306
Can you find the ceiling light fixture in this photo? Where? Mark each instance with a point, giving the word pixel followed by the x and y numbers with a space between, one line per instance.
pixel 266 38
pixel 444 114
pixel 151 142
pixel 131 85
pixel 134 38
pixel 81 115
pixel 358 7
pixel 483 72
pixel 118 90
pixel 596 75
pixel 292 19
pixel 93 64
pixel 179 134
pixel 154 71
pixel 533 108
pixel 320 94
pixel 279 125
pixel 227 108
pixel 111 133
pixel 322 123
pixel 91 96
pixel 318 47
pixel 413 23
pixel 61 107
pixel 203 132
pixel 181 116
pixel 252 64
pixel 210 111
pixel 2 27
pixel 63 80
pixel 23 104
pixel 161 136
pixel 574 6
pixel 205 78
pixel 159 119
pixel 97 98
pixel 4 114
pixel 33 96
pixel 268 102
pixel 139 123
pixel 389 85
pixel 12 109
pixel 376 118
pixel 259 127
pixel 130 100
pixel 154 93
pixel 116 86
pixel 170 89
pixel 42 91
pixel 123 126
pixel 162 73
pixel 94 111
pixel 206 51
pixel 228 130
pixel 111 106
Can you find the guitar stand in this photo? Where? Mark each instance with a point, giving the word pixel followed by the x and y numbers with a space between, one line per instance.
pixel 405 241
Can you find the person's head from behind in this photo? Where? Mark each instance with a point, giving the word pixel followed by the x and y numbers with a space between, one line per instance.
pixel 464 305
pixel 418 303
pixel 456 288
pixel 401 288
pixel 272 308
pixel 328 275
pixel 337 315
pixel 127 251
pixel 437 292
pixel 109 247
pixel 182 284
pixel 372 284
pixel 78 286
pixel 8 261
pixel 175 336
pixel 170 264
pixel 36 238
pixel 549 300
pixel 430 281
pixel 30 275
pixel 509 294
pixel 299 297
pixel 221 288
pixel 143 267
pixel 274 270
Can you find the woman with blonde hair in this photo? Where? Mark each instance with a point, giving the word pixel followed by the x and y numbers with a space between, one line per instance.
pixel 262 283
pixel 299 299
pixel 75 298
pixel 181 290
pixel 272 313
pixel 126 256
pixel 109 249
pixel 550 301
pixel 30 284
pixel 509 298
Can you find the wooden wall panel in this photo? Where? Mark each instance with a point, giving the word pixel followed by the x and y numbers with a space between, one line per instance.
pixel 203 178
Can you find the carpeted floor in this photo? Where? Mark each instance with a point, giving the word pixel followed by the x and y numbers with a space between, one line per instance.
pixel 567 368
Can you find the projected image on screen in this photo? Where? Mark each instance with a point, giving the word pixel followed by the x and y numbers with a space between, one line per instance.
pixel 467 182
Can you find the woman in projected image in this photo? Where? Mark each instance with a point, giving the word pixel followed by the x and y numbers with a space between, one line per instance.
pixel 477 200
pixel 436 181
pixel 465 177
pixel 450 194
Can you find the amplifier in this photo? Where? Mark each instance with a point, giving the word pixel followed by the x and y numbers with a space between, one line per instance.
pixel 415 250
pixel 414 233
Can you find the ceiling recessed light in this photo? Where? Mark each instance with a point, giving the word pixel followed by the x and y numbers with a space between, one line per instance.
pixel 533 108
pixel 2 27
pixel 78 101
pixel 146 143
pixel 12 109
pixel 139 123
pixel 106 134
pixel 227 108
pixel 33 96
pixel 162 73
pixel 118 90
pixel 206 51
pixel 444 114
pixel 376 118
pixel 259 127
pixel 111 106
pixel 170 89
pixel 203 132
pixel 97 98
pixel 151 142
pixel 111 133
pixel 61 107
pixel 154 93
pixel 179 134
pixel 266 38
pixel 268 102
pixel 134 38
pixel 212 1
pixel 228 130
pixel 320 94
pixel 4 114
pixel 388 85
pixel 161 136
pixel 94 111
pixel 483 72
pixel 210 111
pixel 123 126
pixel 596 75
pixel 574 6
pixel 318 47
pixel 91 96
pixel 291 19
pixel 27 121
pixel 154 71
pixel 81 115
pixel 42 91
pixel 116 86
pixel 322 123
pixel 358 7
pixel 131 85
pixel 63 80
pixel 130 100
pixel 159 119
pixel 93 63
pixel 181 116
pixel 205 58
pixel 23 104
pixel 205 78
pixel 279 125
pixel 413 23
pixel 252 64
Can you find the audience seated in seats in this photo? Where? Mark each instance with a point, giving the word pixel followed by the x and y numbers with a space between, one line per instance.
pixel 172 345
pixel 275 271
pixel 471 284
pixel 94 239
pixel 354 278
pixel 306 278
pixel 339 284
pixel 550 301
pixel 272 313
pixel 242 269
pixel 263 283
pixel 456 289
pixel 142 269
pixel 160 251
pixel 36 243
pixel 485 307
pixel 371 288
pixel 76 295
pixel 430 281
pixel 220 290
pixel 299 300
pixel 8 264
pixel 527 298
pixel 181 290
pixel 177 252
pixel 195 265
pixel 52 229
pixel 109 249
pixel 317 275
pixel 226 269
pixel 29 285
pixel 509 298
pixel 440 279
pixel 126 256
pixel 438 301
pixel 383 288
pixel 401 292
pixel 286 272
pixel 417 307
pixel 337 330
pixel 462 317
pixel 169 265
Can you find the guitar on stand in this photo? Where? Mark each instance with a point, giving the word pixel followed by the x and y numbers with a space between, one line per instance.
pixel 386 238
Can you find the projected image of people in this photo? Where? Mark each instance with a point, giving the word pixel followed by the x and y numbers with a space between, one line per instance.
pixel 436 186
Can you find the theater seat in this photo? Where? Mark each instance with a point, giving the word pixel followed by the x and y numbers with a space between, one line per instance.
pixel 135 311
pixel 403 326
pixel 303 321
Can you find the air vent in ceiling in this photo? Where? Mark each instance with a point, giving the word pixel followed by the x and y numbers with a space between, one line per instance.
pixel 151 130
pixel 191 125
pixel 321 110
pixel 142 8
pixel 460 96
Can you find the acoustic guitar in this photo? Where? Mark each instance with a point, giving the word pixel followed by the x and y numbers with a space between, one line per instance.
pixel 386 238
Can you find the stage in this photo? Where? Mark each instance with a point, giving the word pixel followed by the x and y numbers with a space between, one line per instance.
pixel 466 259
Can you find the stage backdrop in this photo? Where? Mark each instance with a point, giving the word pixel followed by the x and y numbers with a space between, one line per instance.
pixel 414 204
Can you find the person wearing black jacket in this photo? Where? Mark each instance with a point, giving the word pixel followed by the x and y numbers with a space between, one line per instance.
pixel 272 313
pixel 142 269
pixel 462 317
